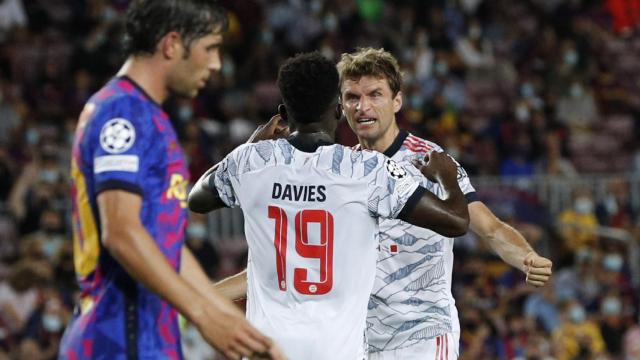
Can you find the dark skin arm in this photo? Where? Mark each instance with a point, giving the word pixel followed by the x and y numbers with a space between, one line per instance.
pixel 448 217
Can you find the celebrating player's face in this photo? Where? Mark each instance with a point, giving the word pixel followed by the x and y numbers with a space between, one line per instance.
pixel 370 107
pixel 192 72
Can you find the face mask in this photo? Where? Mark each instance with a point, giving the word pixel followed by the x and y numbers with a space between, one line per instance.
pixel 571 58
pixel 416 101
pixel 330 22
pixel 32 136
pixel 109 14
pixel 267 37
pixel 611 306
pixel 522 113
pixel 197 231
pixel 51 323
pixel 612 262
pixel 441 68
pixel 48 176
pixel 583 206
pixel 576 314
pixel 576 91
pixel 526 90
pixel 185 113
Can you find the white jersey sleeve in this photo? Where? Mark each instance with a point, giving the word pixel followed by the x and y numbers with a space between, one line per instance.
pixel 392 186
pixel 222 180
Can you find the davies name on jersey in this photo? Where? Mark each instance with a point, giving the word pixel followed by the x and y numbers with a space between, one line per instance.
pixel 310 193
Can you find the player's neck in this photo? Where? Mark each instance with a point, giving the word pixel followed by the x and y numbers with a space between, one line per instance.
pixel 145 73
pixel 382 143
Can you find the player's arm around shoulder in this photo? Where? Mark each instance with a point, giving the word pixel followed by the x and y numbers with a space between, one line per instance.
pixel 509 244
pixel 449 216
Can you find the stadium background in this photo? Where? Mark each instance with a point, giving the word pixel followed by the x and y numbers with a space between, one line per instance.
pixel 538 99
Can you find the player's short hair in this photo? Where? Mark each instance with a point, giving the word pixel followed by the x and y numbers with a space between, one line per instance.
pixel 147 21
pixel 371 62
pixel 308 84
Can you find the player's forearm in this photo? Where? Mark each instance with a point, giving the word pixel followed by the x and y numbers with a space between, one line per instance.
pixel 136 251
pixel 510 245
pixel 234 287
pixel 202 199
pixel 448 217
pixel 503 239
pixel 192 272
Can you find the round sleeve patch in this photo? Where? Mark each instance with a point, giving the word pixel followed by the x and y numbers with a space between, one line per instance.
pixel 395 170
pixel 117 135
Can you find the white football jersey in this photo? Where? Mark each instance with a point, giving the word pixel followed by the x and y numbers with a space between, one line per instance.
pixel 411 301
pixel 312 230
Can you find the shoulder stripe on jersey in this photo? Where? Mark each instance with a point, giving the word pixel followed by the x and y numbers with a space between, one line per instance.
pixel 417 144
pixel 417 141
pixel 416 148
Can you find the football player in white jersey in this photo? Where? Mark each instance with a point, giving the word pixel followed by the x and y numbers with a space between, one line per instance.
pixel 311 211
pixel 412 313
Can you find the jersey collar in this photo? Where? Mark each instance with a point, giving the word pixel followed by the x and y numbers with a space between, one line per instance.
pixel 397 143
pixel 139 88
pixel 307 146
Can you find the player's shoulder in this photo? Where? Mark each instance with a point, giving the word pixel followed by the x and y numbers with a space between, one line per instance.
pixel 417 144
pixel 122 96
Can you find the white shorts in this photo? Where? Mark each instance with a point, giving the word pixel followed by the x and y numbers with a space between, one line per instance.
pixel 443 347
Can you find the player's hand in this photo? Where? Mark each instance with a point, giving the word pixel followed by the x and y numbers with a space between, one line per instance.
pixel 537 268
pixel 234 337
pixel 273 129
pixel 439 167
pixel 274 353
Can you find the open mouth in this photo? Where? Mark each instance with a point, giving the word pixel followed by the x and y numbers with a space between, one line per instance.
pixel 366 121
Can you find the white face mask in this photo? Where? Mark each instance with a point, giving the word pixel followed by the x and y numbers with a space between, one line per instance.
pixel 583 205
pixel 613 262
pixel 611 306
pixel 51 323
pixel 577 314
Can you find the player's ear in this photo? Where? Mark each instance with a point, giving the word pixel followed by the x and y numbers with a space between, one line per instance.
pixel 339 111
pixel 282 110
pixel 170 45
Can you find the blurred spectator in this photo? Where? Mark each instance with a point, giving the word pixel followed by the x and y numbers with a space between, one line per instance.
pixel 632 343
pixel 12 14
pixel 577 108
pixel 612 324
pixel 577 225
pixel 577 337
pixel 553 163
pixel 615 210
pixel 541 308
pixel 19 294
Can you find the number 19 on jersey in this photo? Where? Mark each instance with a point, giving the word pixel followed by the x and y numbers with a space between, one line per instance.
pixel 322 251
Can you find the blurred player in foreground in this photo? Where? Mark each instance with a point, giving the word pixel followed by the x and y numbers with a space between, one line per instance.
pixel 129 195
pixel 412 313
pixel 311 210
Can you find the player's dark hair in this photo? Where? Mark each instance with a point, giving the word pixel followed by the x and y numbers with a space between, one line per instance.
pixel 308 84
pixel 147 21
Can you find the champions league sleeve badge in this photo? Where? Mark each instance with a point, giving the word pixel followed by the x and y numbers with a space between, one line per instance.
pixel 395 170
pixel 117 136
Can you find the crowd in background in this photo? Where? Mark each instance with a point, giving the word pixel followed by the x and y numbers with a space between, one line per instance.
pixel 510 88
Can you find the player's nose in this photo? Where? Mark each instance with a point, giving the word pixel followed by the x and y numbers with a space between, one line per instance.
pixel 215 63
